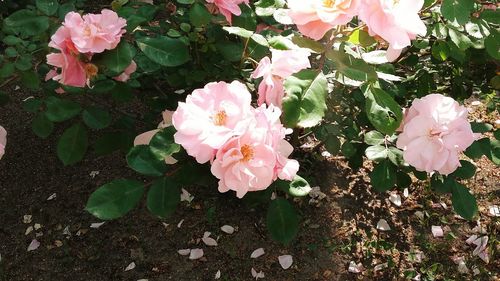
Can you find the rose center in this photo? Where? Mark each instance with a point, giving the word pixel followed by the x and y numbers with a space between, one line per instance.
pixel 247 152
pixel 220 118
pixel 328 3
pixel 87 31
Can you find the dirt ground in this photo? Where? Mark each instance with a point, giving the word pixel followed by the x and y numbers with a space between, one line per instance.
pixel 338 230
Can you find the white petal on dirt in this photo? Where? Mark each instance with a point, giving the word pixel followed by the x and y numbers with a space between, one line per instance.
pixel 380 266
pixel 195 254
pixel 209 241
pixel 383 225
pixel 143 280
pixel 227 229
pixel 406 193
pixel 37 226
pixel 96 224
pixel 130 266
pixel 186 196
pixel 27 218
pixel 33 245
pixel 257 253
pixel 437 231
pixel 476 271
pixel 475 103
pixel 355 268
pixel 180 223
pixel 94 174
pixel 257 275
pixel 444 205
pixel 326 154
pixel 52 197
pixel 184 252
pixel 217 275
pixel 395 199
pixel 206 234
pixel 28 230
pixel 285 261
pixel 494 211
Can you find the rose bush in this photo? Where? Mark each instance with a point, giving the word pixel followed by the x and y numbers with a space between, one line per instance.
pixel 241 85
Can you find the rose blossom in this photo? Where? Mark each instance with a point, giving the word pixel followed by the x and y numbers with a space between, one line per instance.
pixel 73 71
pixel 253 160
pixel 3 141
pixel 95 33
pixel 228 7
pixel 435 132
pixel 146 137
pixel 125 75
pixel 211 116
pixel 282 66
pixel 314 18
pixel 397 22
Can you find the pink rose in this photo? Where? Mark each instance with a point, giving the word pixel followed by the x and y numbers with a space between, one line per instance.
pixel 228 7
pixel 95 33
pixel 3 141
pixel 314 18
pixel 125 75
pixel 283 65
pixel 397 22
pixel 253 160
pixel 210 117
pixel 435 132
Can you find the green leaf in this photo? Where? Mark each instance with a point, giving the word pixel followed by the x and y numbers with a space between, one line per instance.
pixel 480 127
pixel 298 187
pixel 383 176
pixel 466 171
pixel 461 40
pixel 96 118
pixel 306 43
pixel 115 199
pixel 32 104
pixel 199 15
pixel 440 50
pixel 164 50
pixel 376 153
pixel 73 144
pixel 59 110
pixel 30 80
pixel 332 144
pixel 259 39
pixel 304 105
pixel 374 138
pixel 162 144
pixel 396 156
pixel 492 44
pixel 27 23
pixel 142 160
pixel 48 7
pixel 457 10
pixel 163 197
pixel 464 203
pixel 403 180
pixel 282 221
pixel 362 38
pixel 382 110
pixel 442 184
pixel 116 60
pixel 42 126
pixel 356 69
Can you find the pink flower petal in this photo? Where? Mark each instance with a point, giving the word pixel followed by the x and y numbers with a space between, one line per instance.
pixel 437 231
pixel 257 253
pixel 195 254
pixel 33 245
pixel 227 229
pixel 285 261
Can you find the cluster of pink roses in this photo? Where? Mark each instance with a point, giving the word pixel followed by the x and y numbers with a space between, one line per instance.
pixel 77 40
pixel 396 21
pixel 3 141
pixel 435 131
pixel 275 71
pixel 246 145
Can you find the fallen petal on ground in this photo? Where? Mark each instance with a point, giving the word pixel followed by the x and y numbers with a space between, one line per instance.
pixel 437 231
pixel 33 245
pixel 285 261
pixel 383 225
pixel 195 254
pixel 227 229
pixel 257 253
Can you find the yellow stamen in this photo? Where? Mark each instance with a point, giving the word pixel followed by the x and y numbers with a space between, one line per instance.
pixel 220 118
pixel 247 152
pixel 328 3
